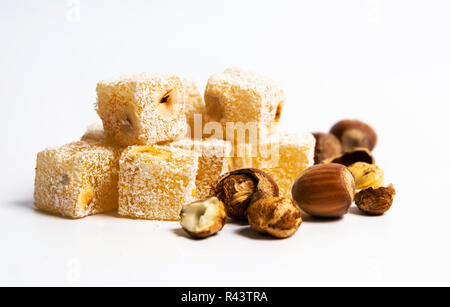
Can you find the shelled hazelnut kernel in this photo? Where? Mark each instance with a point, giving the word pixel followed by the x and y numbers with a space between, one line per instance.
pixel 375 201
pixel 367 175
pixel 203 218
pixel 277 216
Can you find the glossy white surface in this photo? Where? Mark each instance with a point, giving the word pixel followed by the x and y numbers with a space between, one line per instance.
pixel 386 62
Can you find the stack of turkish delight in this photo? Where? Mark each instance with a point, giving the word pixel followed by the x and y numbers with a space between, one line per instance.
pixel 161 146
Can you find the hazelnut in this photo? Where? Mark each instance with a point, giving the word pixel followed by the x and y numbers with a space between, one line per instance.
pixel 85 198
pixel 354 134
pixel 203 218
pixel 367 175
pixel 375 201
pixel 327 146
pixel 357 155
pixel 277 216
pixel 239 188
pixel 277 117
pixel 170 103
pixel 325 190
pixel 153 152
pixel 127 120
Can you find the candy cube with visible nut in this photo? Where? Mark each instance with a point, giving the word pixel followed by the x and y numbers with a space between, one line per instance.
pixel 156 181
pixel 213 162
pixel 142 109
pixel 77 179
pixel 239 96
pixel 283 156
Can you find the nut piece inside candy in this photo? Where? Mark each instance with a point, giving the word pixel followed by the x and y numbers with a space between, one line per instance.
pixel 277 117
pixel 375 201
pixel 203 218
pixel 325 190
pixel 327 146
pixel 239 188
pixel 127 120
pixel 85 197
pixel 355 134
pixel 214 108
pixel 169 104
pixel 367 175
pixel 153 152
pixel 278 112
pixel 277 216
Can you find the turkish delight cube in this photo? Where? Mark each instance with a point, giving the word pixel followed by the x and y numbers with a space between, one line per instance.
pixel 94 134
pixel 77 179
pixel 283 156
pixel 213 162
pixel 195 109
pixel 239 96
pixel 142 109
pixel 156 181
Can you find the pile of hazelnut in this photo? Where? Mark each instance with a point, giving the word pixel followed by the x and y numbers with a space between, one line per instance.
pixel 344 172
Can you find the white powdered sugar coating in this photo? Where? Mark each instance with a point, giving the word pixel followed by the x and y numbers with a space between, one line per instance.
pixel 237 95
pixel 306 140
pixel 213 162
pixel 63 173
pixel 194 103
pixel 156 181
pixel 295 154
pixel 283 156
pixel 133 112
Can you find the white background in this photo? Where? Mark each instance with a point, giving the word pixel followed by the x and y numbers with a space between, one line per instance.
pixel 385 62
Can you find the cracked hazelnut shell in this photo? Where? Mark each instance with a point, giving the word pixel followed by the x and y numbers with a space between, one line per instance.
pixel 351 157
pixel 354 134
pixel 239 188
pixel 325 190
pixel 277 216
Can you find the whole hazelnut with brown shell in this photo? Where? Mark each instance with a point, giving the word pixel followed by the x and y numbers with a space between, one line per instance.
pixel 327 146
pixel 355 134
pixel 325 190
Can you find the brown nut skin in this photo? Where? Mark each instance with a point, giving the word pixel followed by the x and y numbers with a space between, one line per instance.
pixel 351 157
pixel 327 146
pixel 218 220
pixel 277 216
pixel 239 188
pixel 325 190
pixel 367 175
pixel 354 134
pixel 375 201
